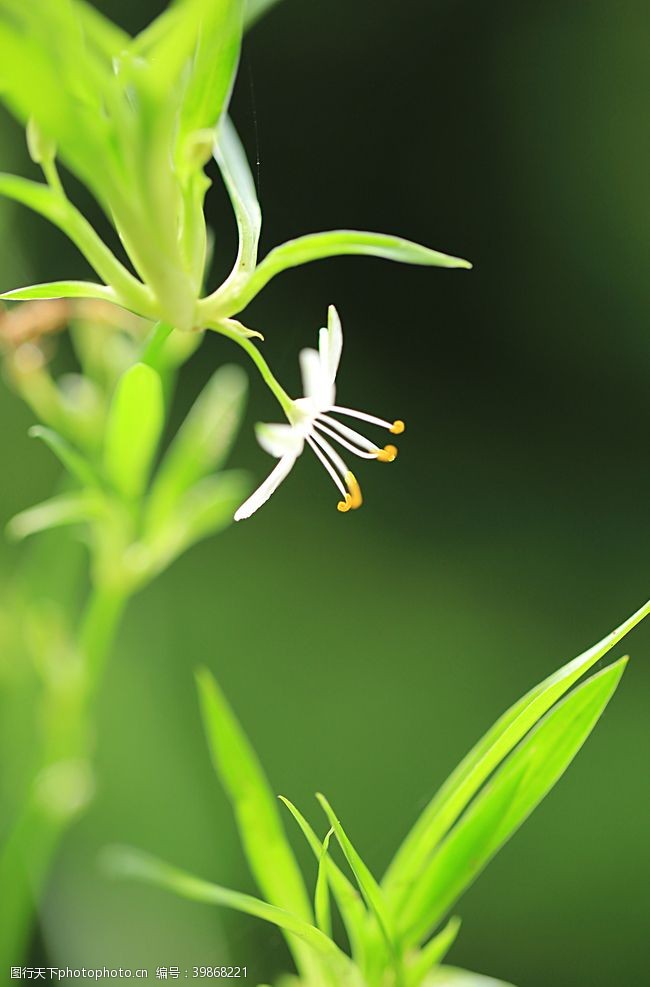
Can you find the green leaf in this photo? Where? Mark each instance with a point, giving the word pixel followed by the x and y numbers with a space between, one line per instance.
pixel 127 862
pixel 346 895
pixel 260 828
pixel 506 801
pixel 133 429
pixel 201 444
pixel 62 214
pixel 456 793
pixel 73 508
pixel 337 243
pixel 368 886
pixel 204 510
pixel 61 289
pixel 76 464
pixel 233 164
pixel 322 894
pixel 432 953
pixel 267 848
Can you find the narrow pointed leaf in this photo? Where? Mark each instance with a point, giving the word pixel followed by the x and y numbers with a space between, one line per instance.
pixel 73 508
pixel 347 897
pixel 62 289
pixel 203 511
pixel 201 444
pixel 368 886
pixel 127 862
pixel 233 164
pixel 506 801
pixel 433 952
pixel 322 894
pixel 267 848
pixel 133 429
pixel 77 466
pixel 337 243
pixel 454 796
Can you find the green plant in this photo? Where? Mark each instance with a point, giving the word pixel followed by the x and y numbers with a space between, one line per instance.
pixel 136 120
pixel 393 926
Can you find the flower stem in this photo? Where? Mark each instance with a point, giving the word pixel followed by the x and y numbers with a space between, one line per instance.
pixel 35 834
pixel 269 379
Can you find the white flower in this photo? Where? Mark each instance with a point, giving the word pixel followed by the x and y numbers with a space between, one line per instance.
pixel 311 423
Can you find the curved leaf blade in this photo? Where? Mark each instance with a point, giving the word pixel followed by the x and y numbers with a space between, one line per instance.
pixel 61 289
pixel 133 429
pixel 506 802
pixel 457 792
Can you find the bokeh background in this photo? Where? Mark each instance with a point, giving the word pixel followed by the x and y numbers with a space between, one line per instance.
pixel 366 653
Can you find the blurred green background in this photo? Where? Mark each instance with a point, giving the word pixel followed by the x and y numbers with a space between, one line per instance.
pixel 365 653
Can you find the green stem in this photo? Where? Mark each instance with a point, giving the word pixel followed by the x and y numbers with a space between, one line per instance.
pixel 275 387
pixel 28 851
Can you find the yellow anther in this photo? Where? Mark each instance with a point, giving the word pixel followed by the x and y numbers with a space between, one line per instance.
pixel 344 505
pixel 353 499
pixel 397 427
pixel 387 454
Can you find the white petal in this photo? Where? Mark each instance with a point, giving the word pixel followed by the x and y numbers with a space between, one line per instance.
pixel 264 491
pixel 316 382
pixel 330 344
pixel 279 440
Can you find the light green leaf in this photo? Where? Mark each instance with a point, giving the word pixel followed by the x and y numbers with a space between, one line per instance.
pixel 73 508
pixel 62 214
pixel 368 886
pixel 127 862
pixel 204 510
pixel 76 464
pixel 133 429
pixel 454 796
pixel 201 444
pixel 267 849
pixel 337 243
pixel 432 953
pixel 506 801
pixel 322 894
pixel 347 897
pixel 61 289
pixel 233 164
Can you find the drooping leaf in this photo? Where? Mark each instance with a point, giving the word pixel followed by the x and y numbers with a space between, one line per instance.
pixel 127 862
pixel 337 243
pixel 456 793
pixel 506 801
pixel 133 429
pixel 233 164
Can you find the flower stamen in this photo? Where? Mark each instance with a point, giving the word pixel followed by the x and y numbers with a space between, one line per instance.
pixel 397 427
pixel 353 499
pixel 387 455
